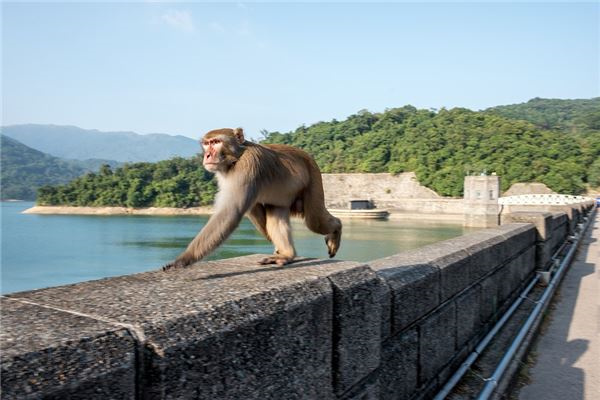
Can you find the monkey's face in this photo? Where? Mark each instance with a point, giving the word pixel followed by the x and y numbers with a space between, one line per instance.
pixel 222 148
pixel 213 153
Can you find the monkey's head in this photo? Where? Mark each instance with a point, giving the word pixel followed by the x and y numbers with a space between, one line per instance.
pixel 222 148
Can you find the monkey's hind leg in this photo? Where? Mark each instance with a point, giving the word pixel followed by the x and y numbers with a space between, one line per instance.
pixel 280 231
pixel 316 216
pixel 333 239
pixel 325 224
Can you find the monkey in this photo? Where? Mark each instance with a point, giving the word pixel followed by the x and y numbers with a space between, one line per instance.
pixel 268 183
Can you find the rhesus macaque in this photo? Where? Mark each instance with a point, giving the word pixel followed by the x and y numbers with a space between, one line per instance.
pixel 268 183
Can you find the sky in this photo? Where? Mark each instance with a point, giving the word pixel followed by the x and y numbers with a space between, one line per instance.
pixel 189 67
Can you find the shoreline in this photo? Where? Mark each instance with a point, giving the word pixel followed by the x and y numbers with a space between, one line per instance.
pixel 72 210
pixel 208 210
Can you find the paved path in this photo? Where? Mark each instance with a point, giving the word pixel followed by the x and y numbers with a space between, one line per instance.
pixel 567 365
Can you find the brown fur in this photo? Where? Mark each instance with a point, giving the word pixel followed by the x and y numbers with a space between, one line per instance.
pixel 270 183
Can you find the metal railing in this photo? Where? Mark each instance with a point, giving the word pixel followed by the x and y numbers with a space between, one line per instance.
pixel 543 199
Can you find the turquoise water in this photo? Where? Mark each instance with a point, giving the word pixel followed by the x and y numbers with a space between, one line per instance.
pixel 48 250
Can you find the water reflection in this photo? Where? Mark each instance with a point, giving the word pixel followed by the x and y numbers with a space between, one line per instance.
pixel 362 240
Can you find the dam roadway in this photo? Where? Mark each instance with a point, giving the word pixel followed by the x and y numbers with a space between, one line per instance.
pixel 566 355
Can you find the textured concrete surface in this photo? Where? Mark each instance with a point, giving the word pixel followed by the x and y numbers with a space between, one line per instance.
pixel 400 360
pixel 415 288
pixel 567 362
pixel 423 278
pixel 437 341
pixel 357 304
pixel 468 319
pixel 542 222
pixel 45 350
pixel 573 211
pixel 225 329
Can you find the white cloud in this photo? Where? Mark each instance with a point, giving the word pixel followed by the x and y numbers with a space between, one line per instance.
pixel 181 20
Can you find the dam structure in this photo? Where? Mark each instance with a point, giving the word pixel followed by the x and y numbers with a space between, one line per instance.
pixel 392 328
pixel 481 206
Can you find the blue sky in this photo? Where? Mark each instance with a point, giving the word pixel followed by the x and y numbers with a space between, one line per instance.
pixel 185 68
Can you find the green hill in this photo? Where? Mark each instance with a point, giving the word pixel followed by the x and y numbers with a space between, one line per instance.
pixel 25 169
pixel 441 147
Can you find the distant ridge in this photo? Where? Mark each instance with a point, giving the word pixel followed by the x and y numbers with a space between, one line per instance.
pixel 81 144
pixel 569 115
pixel 25 169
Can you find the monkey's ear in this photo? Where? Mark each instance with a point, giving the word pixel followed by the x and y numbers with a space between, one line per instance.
pixel 239 135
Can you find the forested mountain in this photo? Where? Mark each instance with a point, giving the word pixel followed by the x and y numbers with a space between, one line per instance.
pixel 24 169
pixel 81 144
pixel 440 147
pixel 177 182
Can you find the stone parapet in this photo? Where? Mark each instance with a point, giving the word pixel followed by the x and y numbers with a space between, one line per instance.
pixel 553 223
pixel 50 353
pixel 574 212
pixel 231 329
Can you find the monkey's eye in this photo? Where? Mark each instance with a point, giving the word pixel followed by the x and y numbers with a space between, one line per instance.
pixel 211 142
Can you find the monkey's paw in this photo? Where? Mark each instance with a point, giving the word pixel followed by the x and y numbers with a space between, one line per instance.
pixel 279 260
pixel 332 241
pixel 175 264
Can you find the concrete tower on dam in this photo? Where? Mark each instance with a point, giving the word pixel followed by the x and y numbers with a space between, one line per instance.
pixel 481 201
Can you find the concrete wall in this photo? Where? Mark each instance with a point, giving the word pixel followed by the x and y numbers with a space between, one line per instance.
pixel 402 194
pixel 382 188
pixel 394 328
pixel 552 229
pixel 435 207
pixel 573 212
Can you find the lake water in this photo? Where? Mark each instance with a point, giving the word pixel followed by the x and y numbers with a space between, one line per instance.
pixel 48 250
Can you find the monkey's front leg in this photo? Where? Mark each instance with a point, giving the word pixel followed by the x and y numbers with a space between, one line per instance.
pixel 218 228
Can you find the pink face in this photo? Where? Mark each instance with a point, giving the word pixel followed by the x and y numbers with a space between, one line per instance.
pixel 212 151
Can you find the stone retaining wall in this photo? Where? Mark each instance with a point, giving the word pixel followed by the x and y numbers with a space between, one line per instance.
pixel 393 328
pixel 383 189
pixel 400 194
